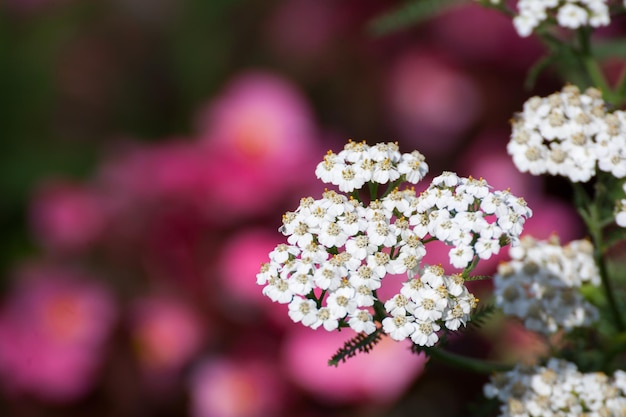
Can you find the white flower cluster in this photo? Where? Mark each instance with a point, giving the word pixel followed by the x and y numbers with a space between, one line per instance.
pixel 558 389
pixel 569 134
pixel 541 284
pixel 339 249
pixel 359 163
pixel 571 14
pixel 465 214
pixel 426 303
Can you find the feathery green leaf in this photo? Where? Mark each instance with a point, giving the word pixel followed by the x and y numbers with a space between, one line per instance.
pixel 360 343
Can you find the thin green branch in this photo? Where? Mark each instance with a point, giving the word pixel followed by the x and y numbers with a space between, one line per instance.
pixel 590 214
pixel 470 364
pixel 591 66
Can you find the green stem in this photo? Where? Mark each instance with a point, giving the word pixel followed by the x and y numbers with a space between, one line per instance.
pixel 591 65
pixel 597 78
pixel 620 89
pixel 592 219
pixel 373 189
pixel 470 364
pixel 468 269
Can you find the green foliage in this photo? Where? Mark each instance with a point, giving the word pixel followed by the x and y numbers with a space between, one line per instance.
pixel 478 277
pixel 480 316
pixel 360 343
pixel 410 13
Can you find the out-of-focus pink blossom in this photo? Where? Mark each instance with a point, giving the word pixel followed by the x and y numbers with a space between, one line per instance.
pixel 379 377
pixel 430 102
pixel 258 117
pixel 173 172
pixel 166 333
pixel 66 216
pixel 240 261
pixel 223 387
pixel 553 216
pixel 53 328
pixel 260 134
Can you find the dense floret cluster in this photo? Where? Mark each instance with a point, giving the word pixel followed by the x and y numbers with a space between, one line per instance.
pixel 339 248
pixel 541 284
pixel 558 389
pixel 359 163
pixel 570 134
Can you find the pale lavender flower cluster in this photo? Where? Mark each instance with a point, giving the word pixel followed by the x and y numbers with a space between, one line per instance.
pixel 558 389
pixel 569 134
pixel 541 284
pixel 340 248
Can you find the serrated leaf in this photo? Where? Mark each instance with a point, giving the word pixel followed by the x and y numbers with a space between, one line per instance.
pixel 478 277
pixel 410 14
pixel 481 315
pixel 361 343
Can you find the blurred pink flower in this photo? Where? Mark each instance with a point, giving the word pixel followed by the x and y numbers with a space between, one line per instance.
pixel 66 216
pixel 431 103
pixel 223 387
pixel 260 134
pixel 379 377
pixel 553 216
pixel 172 172
pixel 53 329
pixel 240 261
pixel 260 118
pixel 166 333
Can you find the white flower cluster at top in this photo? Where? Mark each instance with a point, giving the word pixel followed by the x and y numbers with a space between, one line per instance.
pixel 541 284
pixel 340 248
pixel 571 14
pixel 558 389
pixel 359 163
pixel 569 134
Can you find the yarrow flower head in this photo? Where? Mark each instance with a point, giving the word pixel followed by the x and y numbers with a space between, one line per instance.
pixel 558 389
pixel 340 248
pixel 570 134
pixel 541 284
pixel 359 163
pixel 571 14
